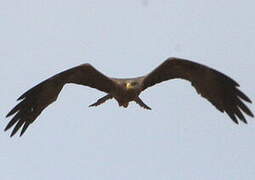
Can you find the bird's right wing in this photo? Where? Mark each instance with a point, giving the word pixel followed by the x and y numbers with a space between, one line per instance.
pixel 213 85
pixel 39 97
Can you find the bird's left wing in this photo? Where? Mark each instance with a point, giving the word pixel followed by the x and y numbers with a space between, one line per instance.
pixel 213 85
pixel 35 100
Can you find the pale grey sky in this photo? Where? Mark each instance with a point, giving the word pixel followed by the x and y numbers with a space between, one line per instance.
pixel 183 137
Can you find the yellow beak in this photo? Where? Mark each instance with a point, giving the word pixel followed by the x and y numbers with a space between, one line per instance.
pixel 129 86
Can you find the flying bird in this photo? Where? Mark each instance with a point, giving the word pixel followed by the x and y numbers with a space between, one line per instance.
pixel 216 87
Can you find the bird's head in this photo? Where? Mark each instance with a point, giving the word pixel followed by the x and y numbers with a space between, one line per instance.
pixel 131 85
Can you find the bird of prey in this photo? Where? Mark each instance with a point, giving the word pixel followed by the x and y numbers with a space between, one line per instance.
pixel 216 87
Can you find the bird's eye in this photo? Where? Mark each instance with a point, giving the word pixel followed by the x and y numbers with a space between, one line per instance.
pixel 133 83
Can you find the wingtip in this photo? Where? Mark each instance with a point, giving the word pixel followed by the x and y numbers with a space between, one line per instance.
pixel 232 117
pixel 8 115
pixel 5 129
pixel 236 122
pixel 24 128
pixel 244 121
pixel 12 134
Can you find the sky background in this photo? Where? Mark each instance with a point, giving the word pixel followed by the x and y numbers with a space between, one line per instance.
pixel 183 137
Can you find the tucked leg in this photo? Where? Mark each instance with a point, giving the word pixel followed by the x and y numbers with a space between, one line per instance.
pixel 142 104
pixel 101 100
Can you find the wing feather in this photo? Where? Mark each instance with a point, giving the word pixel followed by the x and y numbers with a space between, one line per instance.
pixel 219 89
pixel 35 100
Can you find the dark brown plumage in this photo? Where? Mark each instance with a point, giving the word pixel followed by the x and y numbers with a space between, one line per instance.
pixel 213 85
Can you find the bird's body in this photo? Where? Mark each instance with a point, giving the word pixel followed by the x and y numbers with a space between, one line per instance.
pixel 219 89
pixel 127 90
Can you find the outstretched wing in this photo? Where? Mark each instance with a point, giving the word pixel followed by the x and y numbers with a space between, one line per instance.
pixel 213 85
pixel 39 97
